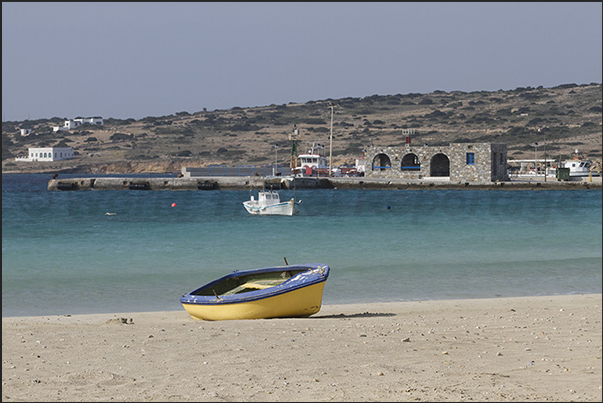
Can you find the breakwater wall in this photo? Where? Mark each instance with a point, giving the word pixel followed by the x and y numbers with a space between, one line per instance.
pixel 258 182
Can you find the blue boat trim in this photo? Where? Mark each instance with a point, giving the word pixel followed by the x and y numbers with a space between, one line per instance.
pixel 316 273
pixel 268 207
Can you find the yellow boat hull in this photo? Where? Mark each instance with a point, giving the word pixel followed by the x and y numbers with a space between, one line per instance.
pixel 302 302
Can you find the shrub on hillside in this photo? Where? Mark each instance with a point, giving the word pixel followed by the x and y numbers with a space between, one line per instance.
pixel 120 136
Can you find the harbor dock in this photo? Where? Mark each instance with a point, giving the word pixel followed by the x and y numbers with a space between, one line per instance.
pixel 276 183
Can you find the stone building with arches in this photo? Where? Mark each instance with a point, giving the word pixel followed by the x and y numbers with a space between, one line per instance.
pixel 457 162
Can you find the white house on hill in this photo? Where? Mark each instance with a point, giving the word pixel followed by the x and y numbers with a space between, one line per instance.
pixel 48 154
pixel 73 123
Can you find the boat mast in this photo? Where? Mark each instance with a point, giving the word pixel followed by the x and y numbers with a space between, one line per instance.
pixel 294 193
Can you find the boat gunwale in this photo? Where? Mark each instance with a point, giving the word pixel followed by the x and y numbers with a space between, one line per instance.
pixel 281 204
pixel 291 284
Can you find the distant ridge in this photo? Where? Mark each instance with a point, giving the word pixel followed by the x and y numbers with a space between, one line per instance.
pixel 562 118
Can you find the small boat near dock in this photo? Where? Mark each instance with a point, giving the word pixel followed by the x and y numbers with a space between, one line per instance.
pixel 273 292
pixel 579 167
pixel 313 163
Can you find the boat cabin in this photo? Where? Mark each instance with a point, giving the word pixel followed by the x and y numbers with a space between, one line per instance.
pixel 267 198
pixel 313 162
pixel 576 165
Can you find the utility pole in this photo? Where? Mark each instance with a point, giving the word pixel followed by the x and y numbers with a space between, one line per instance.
pixel 544 145
pixel 535 160
pixel 331 144
pixel 275 159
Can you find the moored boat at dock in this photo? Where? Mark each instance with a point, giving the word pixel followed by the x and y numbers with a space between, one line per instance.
pixel 312 163
pixel 579 167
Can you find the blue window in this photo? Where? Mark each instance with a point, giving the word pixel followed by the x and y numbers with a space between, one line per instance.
pixel 470 158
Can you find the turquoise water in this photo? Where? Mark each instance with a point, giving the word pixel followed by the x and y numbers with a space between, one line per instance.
pixel 62 255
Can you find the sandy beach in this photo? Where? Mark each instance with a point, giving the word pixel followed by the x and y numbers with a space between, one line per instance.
pixel 507 349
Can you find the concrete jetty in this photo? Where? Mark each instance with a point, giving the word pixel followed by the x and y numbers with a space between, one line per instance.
pixel 258 182
pixel 124 183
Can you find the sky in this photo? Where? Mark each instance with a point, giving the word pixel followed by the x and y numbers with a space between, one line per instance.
pixel 133 60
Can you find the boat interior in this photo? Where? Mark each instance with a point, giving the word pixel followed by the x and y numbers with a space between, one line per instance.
pixel 249 282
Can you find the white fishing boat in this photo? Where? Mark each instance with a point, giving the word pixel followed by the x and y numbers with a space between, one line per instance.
pixel 269 202
pixel 313 163
pixel 578 167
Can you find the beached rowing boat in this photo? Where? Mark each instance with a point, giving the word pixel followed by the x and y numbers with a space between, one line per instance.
pixel 273 292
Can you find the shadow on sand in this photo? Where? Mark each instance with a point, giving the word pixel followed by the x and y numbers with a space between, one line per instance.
pixel 354 315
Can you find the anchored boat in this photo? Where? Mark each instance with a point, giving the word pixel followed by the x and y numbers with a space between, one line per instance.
pixel 272 292
pixel 269 203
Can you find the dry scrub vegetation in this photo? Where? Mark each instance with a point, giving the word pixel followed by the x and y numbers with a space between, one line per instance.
pixel 563 118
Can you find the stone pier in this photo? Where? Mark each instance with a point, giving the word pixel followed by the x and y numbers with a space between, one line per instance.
pixel 261 182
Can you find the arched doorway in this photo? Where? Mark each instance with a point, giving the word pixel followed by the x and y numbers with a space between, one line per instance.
pixel 410 162
pixel 440 165
pixel 381 162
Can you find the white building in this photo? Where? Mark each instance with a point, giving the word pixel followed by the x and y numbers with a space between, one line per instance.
pixel 73 123
pixel 69 124
pixel 25 132
pixel 48 154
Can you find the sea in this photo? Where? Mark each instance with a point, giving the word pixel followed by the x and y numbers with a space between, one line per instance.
pixel 62 254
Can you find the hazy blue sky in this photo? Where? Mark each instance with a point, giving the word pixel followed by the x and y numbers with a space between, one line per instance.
pixel 132 60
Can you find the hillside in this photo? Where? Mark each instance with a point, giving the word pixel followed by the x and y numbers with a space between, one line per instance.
pixel 562 118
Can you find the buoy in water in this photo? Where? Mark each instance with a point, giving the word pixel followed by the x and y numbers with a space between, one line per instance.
pixel 173 204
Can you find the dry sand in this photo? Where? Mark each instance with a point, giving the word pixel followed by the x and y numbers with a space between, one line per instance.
pixel 509 349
